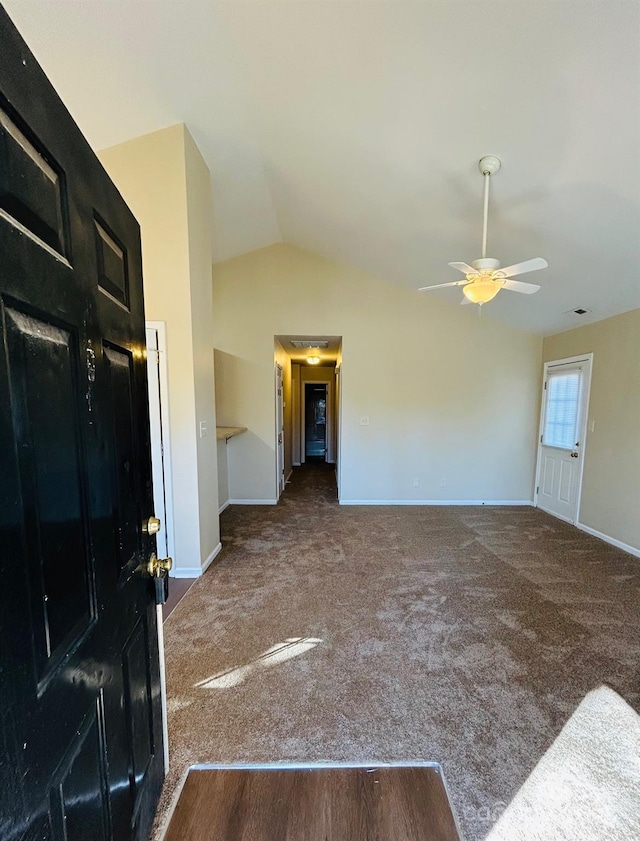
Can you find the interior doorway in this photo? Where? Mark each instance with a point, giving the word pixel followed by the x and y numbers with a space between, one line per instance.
pixel 563 431
pixel 307 403
pixel 315 422
pixel 280 430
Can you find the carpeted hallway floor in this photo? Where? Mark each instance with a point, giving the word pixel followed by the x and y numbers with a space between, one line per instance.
pixel 462 635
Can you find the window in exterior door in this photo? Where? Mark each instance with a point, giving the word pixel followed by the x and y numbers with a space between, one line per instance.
pixel 563 405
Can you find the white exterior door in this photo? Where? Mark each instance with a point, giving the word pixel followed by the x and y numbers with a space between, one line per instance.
pixel 280 429
pixel 565 400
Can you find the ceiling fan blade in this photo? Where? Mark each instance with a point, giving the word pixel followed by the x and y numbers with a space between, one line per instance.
pixel 521 268
pixel 519 286
pixel 465 268
pixel 442 285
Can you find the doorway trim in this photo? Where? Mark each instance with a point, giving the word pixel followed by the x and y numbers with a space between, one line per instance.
pixel 160 328
pixel 281 479
pixel 165 429
pixel 329 412
pixel 569 360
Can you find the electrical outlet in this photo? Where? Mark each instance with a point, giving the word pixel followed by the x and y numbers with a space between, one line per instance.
pixel 203 429
pixel 364 421
pixel 592 426
pixel 416 483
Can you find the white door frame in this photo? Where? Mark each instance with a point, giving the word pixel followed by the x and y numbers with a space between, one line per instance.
pixel 569 360
pixel 329 448
pixel 163 375
pixel 279 393
pixel 338 443
pixel 160 329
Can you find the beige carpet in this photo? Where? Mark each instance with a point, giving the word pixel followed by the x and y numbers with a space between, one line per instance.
pixel 466 636
pixel 587 785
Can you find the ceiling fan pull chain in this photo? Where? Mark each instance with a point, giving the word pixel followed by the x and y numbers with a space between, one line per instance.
pixel 487 176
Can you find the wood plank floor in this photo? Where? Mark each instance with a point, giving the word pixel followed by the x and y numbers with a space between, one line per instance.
pixel 318 804
pixel 177 590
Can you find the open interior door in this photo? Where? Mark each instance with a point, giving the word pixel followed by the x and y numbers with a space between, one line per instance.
pixel 81 742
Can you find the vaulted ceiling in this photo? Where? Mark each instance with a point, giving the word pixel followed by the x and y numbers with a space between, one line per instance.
pixel 354 128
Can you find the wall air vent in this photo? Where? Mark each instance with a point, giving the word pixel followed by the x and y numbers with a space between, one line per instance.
pixel 308 343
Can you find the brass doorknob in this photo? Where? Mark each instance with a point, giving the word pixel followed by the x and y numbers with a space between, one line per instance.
pixel 151 526
pixel 157 567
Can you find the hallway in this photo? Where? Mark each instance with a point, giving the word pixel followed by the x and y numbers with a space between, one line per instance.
pixel 461 635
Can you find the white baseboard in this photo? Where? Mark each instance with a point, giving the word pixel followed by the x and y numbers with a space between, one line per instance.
pixel 196 572
pixel 252 502
pixel 223 507
pixel 436 502
pixel 210 559
pixel 297 464
pixel 612 540
pixel 288 477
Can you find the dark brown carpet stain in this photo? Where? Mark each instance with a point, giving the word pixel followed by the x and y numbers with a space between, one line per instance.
pixel 460 635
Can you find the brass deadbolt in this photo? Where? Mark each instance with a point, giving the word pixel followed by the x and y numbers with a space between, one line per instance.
pixel 151 526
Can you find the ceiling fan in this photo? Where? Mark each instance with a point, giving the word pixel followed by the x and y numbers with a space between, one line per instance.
pixel 484 278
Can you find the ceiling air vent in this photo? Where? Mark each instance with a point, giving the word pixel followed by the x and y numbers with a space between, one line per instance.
pixel 308 343
pixel 578 311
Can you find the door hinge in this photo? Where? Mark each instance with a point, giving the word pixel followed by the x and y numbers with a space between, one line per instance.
pixel 541 437
pixel 538 489
pixel 545 386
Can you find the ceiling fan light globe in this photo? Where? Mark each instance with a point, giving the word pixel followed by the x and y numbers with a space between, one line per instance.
pixel 482 291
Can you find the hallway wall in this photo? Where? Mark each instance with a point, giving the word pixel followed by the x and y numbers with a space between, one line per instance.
pixel 325 374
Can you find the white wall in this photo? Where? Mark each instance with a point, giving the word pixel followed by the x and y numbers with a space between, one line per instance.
pixel 610 502
pixel 449 395
pixel 159 177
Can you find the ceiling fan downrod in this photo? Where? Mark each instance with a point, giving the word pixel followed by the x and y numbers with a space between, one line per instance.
pixel 488 166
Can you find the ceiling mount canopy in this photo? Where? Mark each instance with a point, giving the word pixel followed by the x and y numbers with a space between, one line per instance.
pixel 484 278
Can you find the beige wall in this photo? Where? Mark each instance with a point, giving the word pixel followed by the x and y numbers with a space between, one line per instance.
pixel 159 176
pixel 199 214
pixel 295 413
pixel 610 501
pixel 284 361
pixel 449 395
pixel 324 374
pixel 223 474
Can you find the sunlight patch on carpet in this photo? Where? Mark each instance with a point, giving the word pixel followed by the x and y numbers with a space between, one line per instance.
pixel 280 653
pixel 586 786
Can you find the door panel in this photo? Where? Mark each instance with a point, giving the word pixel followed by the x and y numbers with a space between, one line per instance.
pixel 563 423
pixel 80 799
pixel 42 360
pixel 118 370
pixel 32 186
pixel 81 735
pixel 138 706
